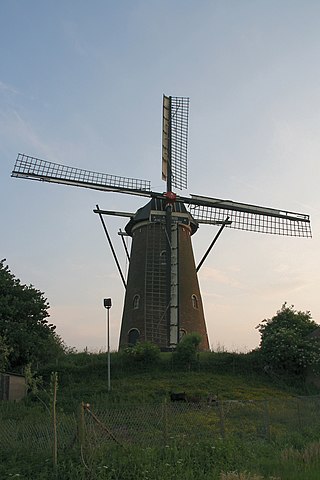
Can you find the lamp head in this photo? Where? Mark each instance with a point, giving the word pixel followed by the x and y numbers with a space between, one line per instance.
pixel 107 303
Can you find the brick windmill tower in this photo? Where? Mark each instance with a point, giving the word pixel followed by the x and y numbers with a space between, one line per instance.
pixel 162 299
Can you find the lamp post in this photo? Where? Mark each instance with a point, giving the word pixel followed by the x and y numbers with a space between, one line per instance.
pixel 107 305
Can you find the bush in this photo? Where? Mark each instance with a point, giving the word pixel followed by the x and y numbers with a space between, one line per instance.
pixel 187 349
pixel 142 352
pixel 286 344
pixel 5 351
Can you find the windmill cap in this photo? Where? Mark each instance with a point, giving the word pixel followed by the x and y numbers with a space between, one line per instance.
pixel 145 214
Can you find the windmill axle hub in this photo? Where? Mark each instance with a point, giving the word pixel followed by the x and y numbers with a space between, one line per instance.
pixel 170 197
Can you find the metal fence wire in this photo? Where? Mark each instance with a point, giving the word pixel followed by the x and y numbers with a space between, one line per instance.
pixel 159 424
pixel 36 434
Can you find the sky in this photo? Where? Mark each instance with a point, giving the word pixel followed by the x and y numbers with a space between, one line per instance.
pixel 81 83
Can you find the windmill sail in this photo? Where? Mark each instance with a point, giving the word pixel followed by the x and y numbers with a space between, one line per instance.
pixel 249 217
pixel 175 140
pixel 165 136
pixel 36 169
pixel 203 209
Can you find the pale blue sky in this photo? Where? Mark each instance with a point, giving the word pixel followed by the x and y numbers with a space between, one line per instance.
pixel 81 83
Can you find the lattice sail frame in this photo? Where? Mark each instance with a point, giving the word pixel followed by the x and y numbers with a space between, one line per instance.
pixel 175 140
pixel 37 169
pixel 253 218
pixel 203 209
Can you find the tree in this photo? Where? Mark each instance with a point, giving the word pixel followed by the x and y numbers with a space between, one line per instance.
pixel 24 327
pixel 4 353
pixel 286 344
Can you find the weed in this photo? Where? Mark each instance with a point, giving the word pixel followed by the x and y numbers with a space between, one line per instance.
pixel 309 454
pixel 244 476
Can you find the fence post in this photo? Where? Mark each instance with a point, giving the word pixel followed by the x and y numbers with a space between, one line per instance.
pixel 222 422
pixel 267 419
pixel 299 415
pixel 81 426
pixel 54 378
pixel 165 420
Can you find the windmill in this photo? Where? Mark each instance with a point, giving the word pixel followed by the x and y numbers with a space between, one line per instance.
pixel 162 298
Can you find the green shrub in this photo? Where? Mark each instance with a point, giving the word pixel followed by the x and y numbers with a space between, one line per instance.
pixel 142 352
pixel 187 349
pixel 286 344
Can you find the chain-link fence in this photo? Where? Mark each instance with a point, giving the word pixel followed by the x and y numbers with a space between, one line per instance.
pixel 157 424
pixel 36 434
pixel 182 421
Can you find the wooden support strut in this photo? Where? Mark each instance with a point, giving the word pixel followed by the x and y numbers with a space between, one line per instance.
pixel 111 246
pixel 212 243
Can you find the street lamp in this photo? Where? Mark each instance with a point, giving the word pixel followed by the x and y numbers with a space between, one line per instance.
pixel 107 305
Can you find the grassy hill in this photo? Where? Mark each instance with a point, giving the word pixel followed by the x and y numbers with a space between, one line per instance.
pixel 267 431
pixel 83 377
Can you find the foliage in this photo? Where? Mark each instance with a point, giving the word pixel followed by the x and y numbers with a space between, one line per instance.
pixel 28 335
pixel 243 476
pixel 34 382
pixel 187 348
pixel 4 353
pixel 286 344
pixel 82 377
pixel 145 352
pixel 215 460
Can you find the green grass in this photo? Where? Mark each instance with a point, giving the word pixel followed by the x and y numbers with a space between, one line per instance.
pixel 203 460
pixel 269 436
pixel 230 376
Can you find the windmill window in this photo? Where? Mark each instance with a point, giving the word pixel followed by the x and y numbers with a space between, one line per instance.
pixel 133 337
pixel 182 333
pixel 136 302
pixel 195 303
pixel 163 257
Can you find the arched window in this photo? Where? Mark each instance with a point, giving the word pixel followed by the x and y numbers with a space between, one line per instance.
pixel 182 333
pixel 136 302
pixel 194 300
pixel 133 336
pixel 163 257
